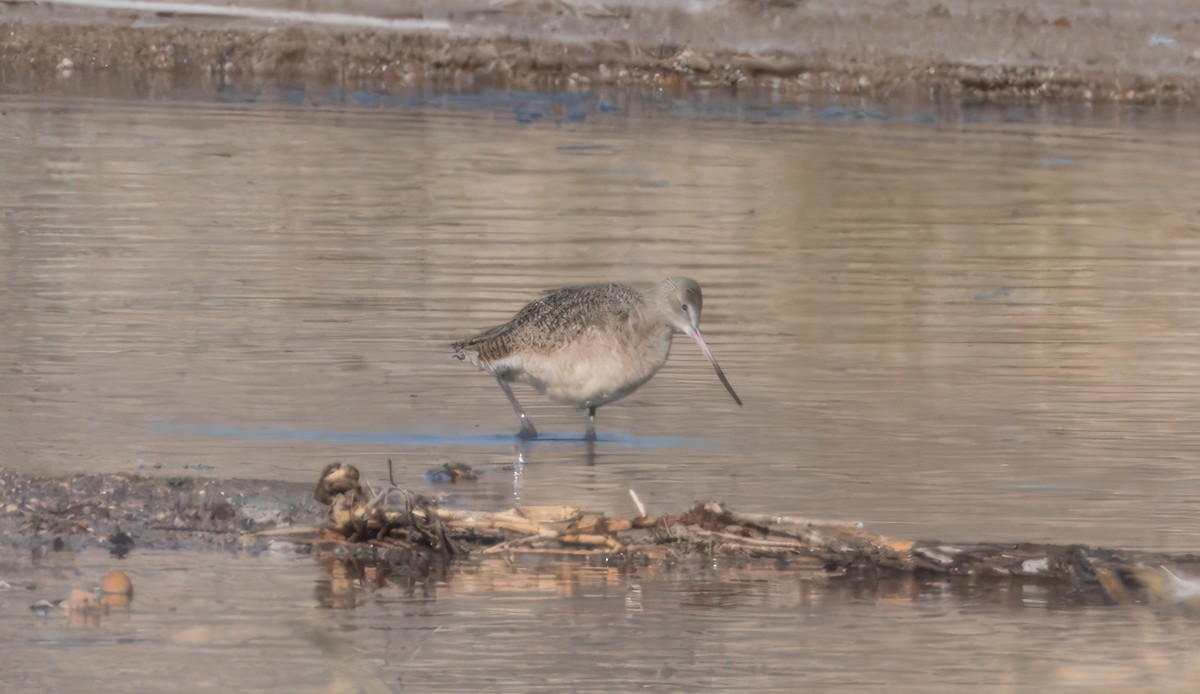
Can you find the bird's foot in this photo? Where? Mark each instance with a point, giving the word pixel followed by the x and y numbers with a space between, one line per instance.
pixel 527 432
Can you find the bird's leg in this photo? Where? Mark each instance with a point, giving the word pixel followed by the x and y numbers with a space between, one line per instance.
pixel 527 431
pixel 590 456
pixel 590 434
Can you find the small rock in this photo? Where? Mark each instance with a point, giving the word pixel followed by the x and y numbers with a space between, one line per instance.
pixel 337 478
pixel 117 583
pixel 690 60
pixel 484 54
pixel 116 591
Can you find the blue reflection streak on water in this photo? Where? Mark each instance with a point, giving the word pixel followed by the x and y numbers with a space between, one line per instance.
pixel 531 107
pixel 227 431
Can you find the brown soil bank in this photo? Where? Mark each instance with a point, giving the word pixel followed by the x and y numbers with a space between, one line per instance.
pixel 1102 50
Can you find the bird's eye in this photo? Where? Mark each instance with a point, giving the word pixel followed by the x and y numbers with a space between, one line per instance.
pixel 684 307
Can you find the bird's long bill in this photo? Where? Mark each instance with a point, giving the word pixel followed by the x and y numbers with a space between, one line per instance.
pixel 699 340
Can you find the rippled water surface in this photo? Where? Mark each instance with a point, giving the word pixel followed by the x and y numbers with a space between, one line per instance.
pixel 961 328
pixel 224 624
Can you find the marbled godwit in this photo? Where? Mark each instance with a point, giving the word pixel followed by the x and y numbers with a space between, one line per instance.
pixel 589 345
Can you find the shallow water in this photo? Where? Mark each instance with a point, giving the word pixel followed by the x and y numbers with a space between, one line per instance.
pixel 217 625
pixel 965 326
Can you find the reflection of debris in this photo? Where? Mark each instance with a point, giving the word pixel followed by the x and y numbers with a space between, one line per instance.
pixel 82 601
pixel 451 473
pixel 1147 585
pixel 87 608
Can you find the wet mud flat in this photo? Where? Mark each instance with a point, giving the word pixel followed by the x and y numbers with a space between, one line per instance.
pixel 122 512
pixel 383 531
pixel 1007 51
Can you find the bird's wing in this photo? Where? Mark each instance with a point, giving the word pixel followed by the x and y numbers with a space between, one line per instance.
pixel 557 318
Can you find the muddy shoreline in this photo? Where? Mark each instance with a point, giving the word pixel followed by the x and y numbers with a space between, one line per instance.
pixel 1003 52
pixel 122 512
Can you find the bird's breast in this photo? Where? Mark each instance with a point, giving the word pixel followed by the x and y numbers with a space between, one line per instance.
pixel 599 367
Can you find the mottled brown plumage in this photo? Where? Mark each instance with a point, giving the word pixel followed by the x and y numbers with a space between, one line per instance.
pixel 589 345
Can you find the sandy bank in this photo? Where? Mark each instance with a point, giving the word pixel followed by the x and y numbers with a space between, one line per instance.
pixel 1105 50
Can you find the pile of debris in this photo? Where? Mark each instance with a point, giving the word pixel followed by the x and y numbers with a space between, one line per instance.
pixel 377 522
